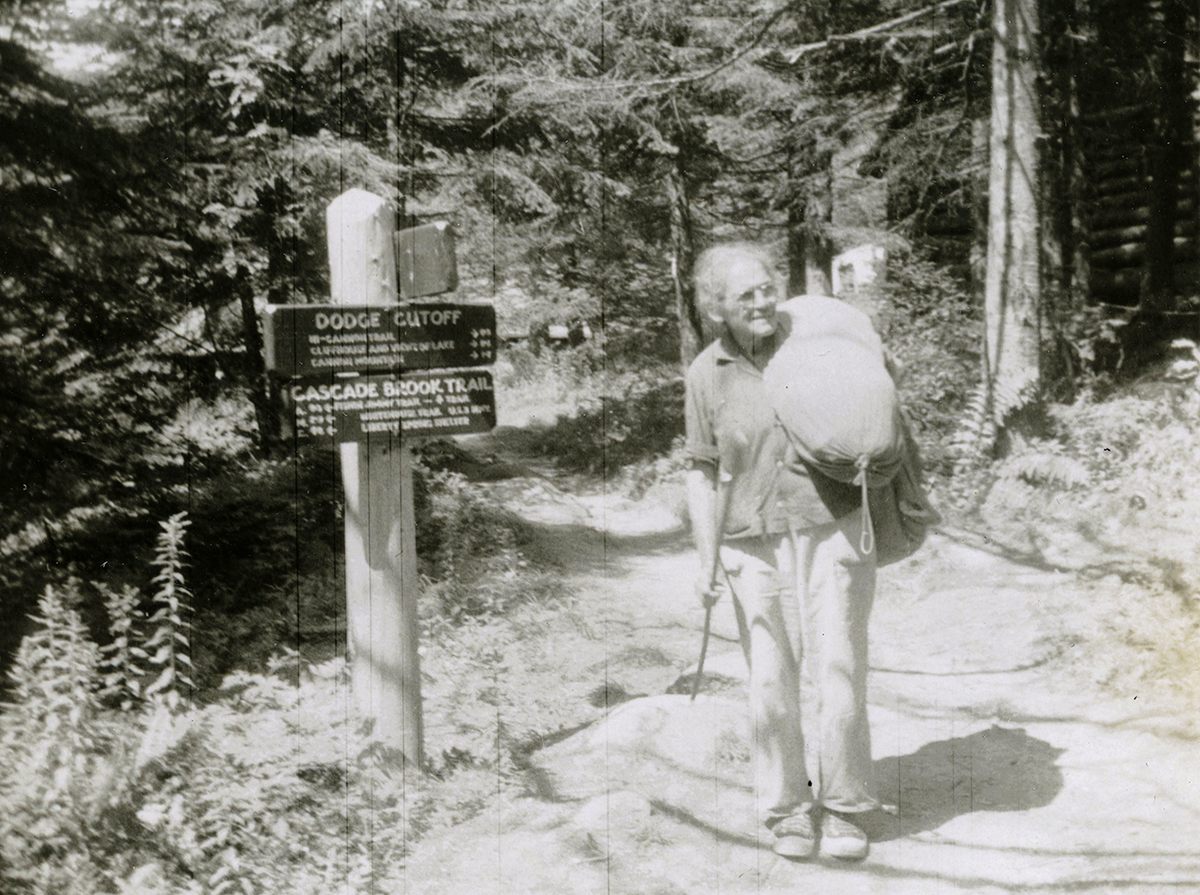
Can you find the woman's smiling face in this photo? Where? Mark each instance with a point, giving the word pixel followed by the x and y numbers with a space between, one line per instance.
pixel 747 305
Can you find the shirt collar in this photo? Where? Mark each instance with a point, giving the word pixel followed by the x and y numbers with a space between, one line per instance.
pixel 726 351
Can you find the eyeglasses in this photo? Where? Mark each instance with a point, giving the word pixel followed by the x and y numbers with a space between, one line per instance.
pixel 750 296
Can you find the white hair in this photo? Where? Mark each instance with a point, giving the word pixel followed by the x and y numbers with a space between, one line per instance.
pixel 711 267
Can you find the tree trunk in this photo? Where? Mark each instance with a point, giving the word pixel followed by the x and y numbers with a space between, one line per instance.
pixel 259 383
pixel 683 254
pixel 817 252
pixel 815 246
pixel 1168 147
pixel 796 279
pixel 1012 296
pixel 1062 229
pixel 280 278
pixel 977 259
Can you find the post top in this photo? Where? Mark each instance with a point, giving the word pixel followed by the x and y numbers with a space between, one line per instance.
pixel 357 203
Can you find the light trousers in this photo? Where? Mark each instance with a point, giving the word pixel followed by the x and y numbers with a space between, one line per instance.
pixel 805 597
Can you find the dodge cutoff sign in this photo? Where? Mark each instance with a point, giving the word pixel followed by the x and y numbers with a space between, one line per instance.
pixel 307 340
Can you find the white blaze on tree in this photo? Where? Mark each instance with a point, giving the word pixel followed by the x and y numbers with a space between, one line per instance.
pixel 1012 292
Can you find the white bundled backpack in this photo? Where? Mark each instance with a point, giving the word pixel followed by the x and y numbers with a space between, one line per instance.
pixel 830 388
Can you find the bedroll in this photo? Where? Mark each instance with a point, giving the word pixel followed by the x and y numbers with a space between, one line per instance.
pixel 831 390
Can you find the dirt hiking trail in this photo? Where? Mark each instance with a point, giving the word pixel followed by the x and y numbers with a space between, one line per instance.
pixel 1009 770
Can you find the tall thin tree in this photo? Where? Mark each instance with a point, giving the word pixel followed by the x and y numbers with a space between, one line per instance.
pixel 1012 294
pixel 1168 147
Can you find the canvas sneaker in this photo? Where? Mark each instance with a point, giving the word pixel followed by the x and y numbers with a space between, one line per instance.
pixel 795 836
pixel 842 838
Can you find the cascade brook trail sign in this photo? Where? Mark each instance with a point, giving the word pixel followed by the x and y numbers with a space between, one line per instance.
pixel 441 402
pixel 365 374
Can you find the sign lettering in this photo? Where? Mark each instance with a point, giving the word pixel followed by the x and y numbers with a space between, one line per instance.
pixel 302 340
pixel 446 402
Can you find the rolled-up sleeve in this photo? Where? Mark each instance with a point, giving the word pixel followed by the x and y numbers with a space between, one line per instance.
pixel 698 409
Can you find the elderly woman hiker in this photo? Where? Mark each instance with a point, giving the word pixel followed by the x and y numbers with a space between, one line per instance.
pixel 799 568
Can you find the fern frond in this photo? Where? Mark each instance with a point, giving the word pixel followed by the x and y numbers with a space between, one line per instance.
pixel 976 434
pixel 988 410
pixel 1048 468
pixel 1009 397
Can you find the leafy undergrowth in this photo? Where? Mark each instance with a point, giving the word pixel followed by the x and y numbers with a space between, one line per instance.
pixel 272 787
pixel 538 386
pixel 635 419
pixel 589 413
pixel 930 322
pixel 115 778
pixel 479 568
pixel 596 422
pixel 1110 490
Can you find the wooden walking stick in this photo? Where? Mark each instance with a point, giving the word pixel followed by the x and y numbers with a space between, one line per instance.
pixel 732 457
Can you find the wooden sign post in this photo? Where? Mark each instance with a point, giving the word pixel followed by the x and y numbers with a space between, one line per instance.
pixel 369 373
pixel 381 555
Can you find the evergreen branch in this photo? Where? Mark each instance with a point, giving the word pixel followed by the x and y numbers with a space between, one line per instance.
pixel 749 160
pixel 943 144
pixel 795 55
pixel 596 85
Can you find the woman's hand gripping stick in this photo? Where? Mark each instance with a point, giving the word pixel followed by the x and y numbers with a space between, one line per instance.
pixel 731 464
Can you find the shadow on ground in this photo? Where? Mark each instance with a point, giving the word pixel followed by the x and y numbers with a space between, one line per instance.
pixel 998 769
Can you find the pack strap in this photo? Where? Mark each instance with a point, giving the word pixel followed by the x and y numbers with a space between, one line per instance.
pixel 866 540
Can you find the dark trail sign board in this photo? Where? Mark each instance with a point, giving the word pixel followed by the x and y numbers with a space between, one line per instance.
pixel 306 340
pixel 444 402
pixel 426 262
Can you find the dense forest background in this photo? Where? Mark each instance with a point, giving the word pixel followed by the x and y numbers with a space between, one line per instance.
pixel 165 167
pixel 156 200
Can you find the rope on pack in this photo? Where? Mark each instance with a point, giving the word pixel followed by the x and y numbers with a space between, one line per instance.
pixel 866 540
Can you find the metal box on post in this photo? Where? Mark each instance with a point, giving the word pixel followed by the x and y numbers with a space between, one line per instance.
pixel 425 260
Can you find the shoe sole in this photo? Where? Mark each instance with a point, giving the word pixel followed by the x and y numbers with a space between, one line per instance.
pixel 796 847
pixel 851 851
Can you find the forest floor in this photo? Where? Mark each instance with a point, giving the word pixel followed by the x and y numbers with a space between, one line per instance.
pixel 1016 761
